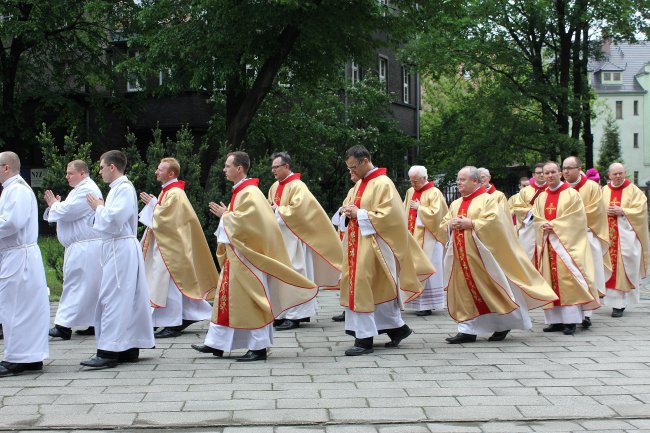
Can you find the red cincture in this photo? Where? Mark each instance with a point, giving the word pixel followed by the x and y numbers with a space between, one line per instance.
pixel 550 213
pixel 278 192
pixel 459 244
pixel 612 222
pixel 178 184
pixel 413 214
pixel 244 184
pixel 353 234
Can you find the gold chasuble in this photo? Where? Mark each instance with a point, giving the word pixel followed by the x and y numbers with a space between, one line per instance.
pixel 177 236
pixel 387 265
pixel 481 263
pixel 628 236
pixel 592 199
pixel 257 281
pixel 524 201
pixel 565 258
pixel 308 222
pixel 431 210
pixel 500 197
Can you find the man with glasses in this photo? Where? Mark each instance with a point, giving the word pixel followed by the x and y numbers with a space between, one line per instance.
pixel 311 241
pixel 564 253
pixel 627 219
pixel 522 207
pixel 24 304
pixel 597 231
pixel 425 207
pixel 123 318
pixel 383 265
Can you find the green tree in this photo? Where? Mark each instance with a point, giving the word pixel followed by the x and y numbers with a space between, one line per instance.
pixel 610 146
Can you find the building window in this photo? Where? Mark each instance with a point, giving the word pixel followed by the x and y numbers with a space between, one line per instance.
pixel 636 140
pixel 383 5
pixel 636 177
pixel 406 86
pixel 383 70
pixel 133 84
pixel 355 73
pixel 636 108
pixel 612 78
pixel 619 109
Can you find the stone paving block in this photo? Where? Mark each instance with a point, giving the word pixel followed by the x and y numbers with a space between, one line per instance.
pixel 28 399
pixel 453 428
pixel 363 393
pixel 17 421
pixel 611 400
pixel 248 429
pixel 473 413
pixel 506 427
pixel 190 380
pixel 70 410
pixel 571 411
pixel 357 428
pixel 87 420
pixel 410 428
pixel 503 400
pixel 146 388
pixel 188 396
pixel 520 392
pixel 557 390
pixel 278 416
pixel 412 402
pixel 170 419
pixel 286 386
pixel 98 398
pixel 272 395
pixel 555 426
pixel 606 424
pixel 221 405
pixel 322 403
pixel 449 391
pixel 209 386
pixel 353 415
pixel 632 410
pixel 24 409
pixel 139 407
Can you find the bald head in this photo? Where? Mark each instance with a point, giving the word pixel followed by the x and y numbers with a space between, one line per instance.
pixel 11 160
pixel 571 168
pixel 617 173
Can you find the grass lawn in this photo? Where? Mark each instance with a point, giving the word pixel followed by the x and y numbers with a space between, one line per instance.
pixel 52 252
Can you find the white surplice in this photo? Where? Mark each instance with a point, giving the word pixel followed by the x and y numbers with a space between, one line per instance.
pixel 82 268
pixel 123 319
pixel 24 304
pixel 433 296
pixel 178 307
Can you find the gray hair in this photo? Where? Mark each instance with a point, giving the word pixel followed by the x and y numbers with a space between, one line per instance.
pixel 472 172
pixel 418 170
pixel 483 171
pixel 284 157
pixel 614 165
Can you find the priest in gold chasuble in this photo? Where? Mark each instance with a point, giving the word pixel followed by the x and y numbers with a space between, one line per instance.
pixel 564 253
pixel 490 282
pixel 627 220
pixel 425 207
pixel 177 260
pixel 257 281
pixel 500 197
pixel 383 267
pixel 522 207
pixel 597 233
pixel 312 243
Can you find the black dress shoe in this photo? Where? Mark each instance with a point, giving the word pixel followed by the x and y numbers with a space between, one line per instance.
pixel 423 313
pixel 461 338
pixel 586 322
pixel 287 324
pixel 397 335
pixel 361 347
pixel 89 331
pixel 185 324
pixel 14 368
pixel 61 332
pixel 207 349
pixel 167 333
pixel 569 329
pixel 253 355
pixel 499 336
pixel 2 335
pixel 130 355
pixel 555 327
pixel 339 317
pixel 98 363
pixel 617 312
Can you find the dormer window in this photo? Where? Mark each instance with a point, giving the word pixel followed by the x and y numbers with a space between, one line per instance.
pixel 612 77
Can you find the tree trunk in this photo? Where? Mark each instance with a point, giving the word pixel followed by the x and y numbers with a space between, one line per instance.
pixel 587 135
pixel 564 69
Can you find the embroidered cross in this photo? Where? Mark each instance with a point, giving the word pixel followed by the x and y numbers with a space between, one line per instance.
pixel 615 202
pixel 550 208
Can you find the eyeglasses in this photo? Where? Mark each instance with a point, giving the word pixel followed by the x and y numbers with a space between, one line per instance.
pixel 539 172
pixel 275 167
pixel 352 168
pixel 568 168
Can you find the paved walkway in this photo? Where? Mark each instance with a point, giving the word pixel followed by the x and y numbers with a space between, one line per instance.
pixel 597 380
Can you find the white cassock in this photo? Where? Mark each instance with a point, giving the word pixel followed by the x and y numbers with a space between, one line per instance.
pixel 178 307
pixel 82 268
pixel 123 319
pixel 24 303
pixel 433 296
pixel 387 315
pixel 302 261
pixel 229 339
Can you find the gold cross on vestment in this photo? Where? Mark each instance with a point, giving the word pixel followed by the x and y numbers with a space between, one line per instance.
pixel 550 208
pixel 615 202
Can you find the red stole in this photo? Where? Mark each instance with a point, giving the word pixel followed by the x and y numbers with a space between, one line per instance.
pixel 538 191
pixel 459 244
pixel 223 314
pixel 178 184
pixel 413 214
pixel 612 222
pixel 550 213
pixel 491 190
pixel 278 193
pixel 580 184
pixel 353 234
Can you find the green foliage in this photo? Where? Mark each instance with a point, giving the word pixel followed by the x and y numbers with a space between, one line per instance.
pixel 610 146
pixel 52 252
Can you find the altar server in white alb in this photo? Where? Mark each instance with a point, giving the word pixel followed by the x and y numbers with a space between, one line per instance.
pixel 177 259
pixel 425 208
pixel 123 321
pixel 82 268
pixel 24 304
